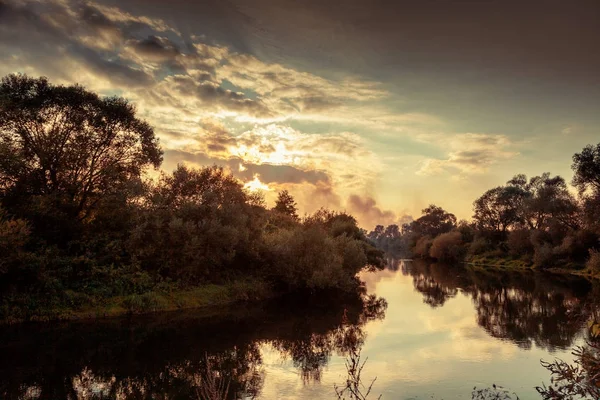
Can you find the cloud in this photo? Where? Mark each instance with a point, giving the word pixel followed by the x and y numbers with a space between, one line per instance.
pixel 209 104
pixel 268 173
pixel 369 214
pixel 295 90
pixel 468 153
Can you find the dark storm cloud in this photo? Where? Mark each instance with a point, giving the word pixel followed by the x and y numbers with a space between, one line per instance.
pixel 269 174
pixel 211 94
pixel 544 37
pixel 154 48
pixel 44 33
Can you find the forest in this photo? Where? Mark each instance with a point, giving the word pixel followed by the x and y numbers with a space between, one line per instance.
pixel 85 230
pixel 540 222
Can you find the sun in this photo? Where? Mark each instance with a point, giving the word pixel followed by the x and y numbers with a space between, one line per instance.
pixel 256 185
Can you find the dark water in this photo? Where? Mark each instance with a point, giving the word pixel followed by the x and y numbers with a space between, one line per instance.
pixel 425 331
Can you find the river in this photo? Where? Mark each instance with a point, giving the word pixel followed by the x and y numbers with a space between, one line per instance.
pixel 424 331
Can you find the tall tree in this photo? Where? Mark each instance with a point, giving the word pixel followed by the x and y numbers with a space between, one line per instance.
pixel 586 166
pixel 69 143
pixel 543 200
pixel 286 204
pixel 498 208
pixel 434 221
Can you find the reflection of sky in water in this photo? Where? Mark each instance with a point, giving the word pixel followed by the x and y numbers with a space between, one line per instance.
pixel 420 352
pixel 445 331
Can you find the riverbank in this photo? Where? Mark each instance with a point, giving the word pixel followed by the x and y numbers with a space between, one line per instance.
pixel 511 263
pixel 80 306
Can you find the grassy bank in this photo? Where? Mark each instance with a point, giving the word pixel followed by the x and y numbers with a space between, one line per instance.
pixel 512 263
pixel 165 298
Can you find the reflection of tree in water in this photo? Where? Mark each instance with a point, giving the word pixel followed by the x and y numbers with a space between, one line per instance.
pixel 434 281
pixel 311 351
pixel 167 356
pixel 526 308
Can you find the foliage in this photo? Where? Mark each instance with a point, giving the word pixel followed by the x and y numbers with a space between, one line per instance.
pixel 519 243
pixel 68 144
pixel 586 166
pixel 80 222
pixel 574 381
pixel 286 204
pixel 354 388
pixel 526 222
pixel 497 210
pixel 593 263
pixel 433 221
pixel 447 247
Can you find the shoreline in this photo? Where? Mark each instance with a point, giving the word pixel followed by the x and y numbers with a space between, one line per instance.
pixel 152 302
pixel 510 264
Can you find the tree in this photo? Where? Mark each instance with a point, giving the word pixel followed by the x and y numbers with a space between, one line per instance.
pixel 498 208
pixel 543 200
pixel 69 144
pixel 586 166
pixel 286 204
pixel 196 224
pixel 434 221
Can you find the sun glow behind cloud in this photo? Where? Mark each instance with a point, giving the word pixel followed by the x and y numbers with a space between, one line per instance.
pixel 256 185
pixel 381 145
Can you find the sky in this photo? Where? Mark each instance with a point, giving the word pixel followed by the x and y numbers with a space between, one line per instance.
pixel 374 107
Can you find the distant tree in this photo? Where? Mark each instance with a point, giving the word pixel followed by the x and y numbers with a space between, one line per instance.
pixel 543 200
pixel 68 143
pixel 434 221
pixel 498 209
pixel 392 231
pixel 377 233
pixel 586 166
pixel 286 204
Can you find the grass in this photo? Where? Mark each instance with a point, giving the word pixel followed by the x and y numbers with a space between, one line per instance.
pixel 165 299
pixel 503 262
pixel 511 263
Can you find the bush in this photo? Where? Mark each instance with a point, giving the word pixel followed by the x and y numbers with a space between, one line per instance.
pixel 519 242
pixel 304 257
pixel 448 247
pixel 479 246
pixel 543 255
pixel 593 263
pixel 422 246
pixel 14 235
pixel 147 302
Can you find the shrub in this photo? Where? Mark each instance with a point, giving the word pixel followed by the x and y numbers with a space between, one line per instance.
pixel 137 304
pixel 304 258
pixel 479 246
pixel 543 255
pixel 14 235
pixel 422 246
pixel 447 247
pixel 593 263
pixel 519 242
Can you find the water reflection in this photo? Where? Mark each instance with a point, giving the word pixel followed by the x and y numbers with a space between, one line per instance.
pixel 168 356
pixel 526 308
pixel 447 330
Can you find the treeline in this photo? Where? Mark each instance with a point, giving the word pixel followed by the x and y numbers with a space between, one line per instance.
pixel 526 222
pixel 79 222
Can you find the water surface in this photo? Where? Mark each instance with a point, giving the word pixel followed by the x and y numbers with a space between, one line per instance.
pixel 426 331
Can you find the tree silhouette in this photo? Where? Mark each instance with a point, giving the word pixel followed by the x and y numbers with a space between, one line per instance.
pixel 286 204
pixel 69 143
